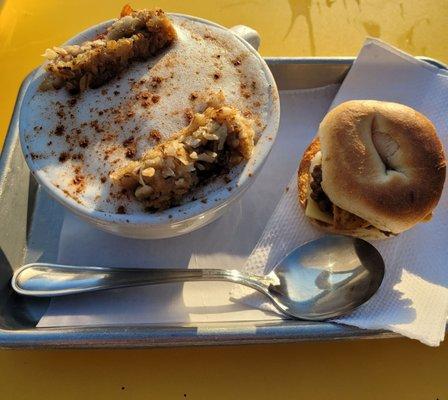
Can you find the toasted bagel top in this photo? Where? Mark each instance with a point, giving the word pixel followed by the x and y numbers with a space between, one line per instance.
pixel 382 162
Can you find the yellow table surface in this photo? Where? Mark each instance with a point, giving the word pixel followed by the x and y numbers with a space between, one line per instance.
pixel 376 369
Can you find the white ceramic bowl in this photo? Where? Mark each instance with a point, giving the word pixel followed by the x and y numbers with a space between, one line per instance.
pixel 192 215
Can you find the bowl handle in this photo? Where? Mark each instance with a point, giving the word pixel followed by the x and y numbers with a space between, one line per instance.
pixel 250 35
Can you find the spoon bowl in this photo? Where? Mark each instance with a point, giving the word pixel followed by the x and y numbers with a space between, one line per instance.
pixel 322 279
pixel 326 278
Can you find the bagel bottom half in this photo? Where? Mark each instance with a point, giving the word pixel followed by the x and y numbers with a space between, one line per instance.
pixel 304 180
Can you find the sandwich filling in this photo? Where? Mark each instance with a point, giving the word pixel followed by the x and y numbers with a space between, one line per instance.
pixel 136 35
pixel 215 141
pixel 321 208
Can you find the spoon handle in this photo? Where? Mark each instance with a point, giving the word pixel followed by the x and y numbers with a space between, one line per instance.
pixel 42 280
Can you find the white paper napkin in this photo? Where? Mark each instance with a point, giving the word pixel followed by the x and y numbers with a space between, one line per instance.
pixel 413 299
pixel 225 243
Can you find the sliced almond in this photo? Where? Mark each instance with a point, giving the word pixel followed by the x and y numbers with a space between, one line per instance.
pixel 143 192
pixel 148 172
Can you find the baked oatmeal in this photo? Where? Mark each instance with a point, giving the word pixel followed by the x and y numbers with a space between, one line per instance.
pixel 215 141
pixel 136 35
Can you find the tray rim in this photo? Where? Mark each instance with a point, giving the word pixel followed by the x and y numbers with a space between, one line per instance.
pixel 175 335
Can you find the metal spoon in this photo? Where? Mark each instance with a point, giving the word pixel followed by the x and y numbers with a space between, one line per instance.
pixel 325 278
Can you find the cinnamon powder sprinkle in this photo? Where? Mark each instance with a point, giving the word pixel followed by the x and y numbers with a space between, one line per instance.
pixel 155 135
pixel 63 157
pixel 130 152
pixel 84 142
pixel 78 157
pixel 128 141
pixel 78 179
pixel 131 148
pixel 121 210
pixel 188 115
pixel 59 131
pixel 156 81
pixel 95 125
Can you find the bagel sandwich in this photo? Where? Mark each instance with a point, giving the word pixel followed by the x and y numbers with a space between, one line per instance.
pixel 374 170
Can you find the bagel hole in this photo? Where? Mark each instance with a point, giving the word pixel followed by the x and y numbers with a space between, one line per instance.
pixel 386 148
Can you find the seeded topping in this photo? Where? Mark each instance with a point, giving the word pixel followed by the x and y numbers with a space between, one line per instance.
pixel 213 142
pixel 136 35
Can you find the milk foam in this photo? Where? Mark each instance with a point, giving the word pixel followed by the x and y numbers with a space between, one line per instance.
pixel 91 133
